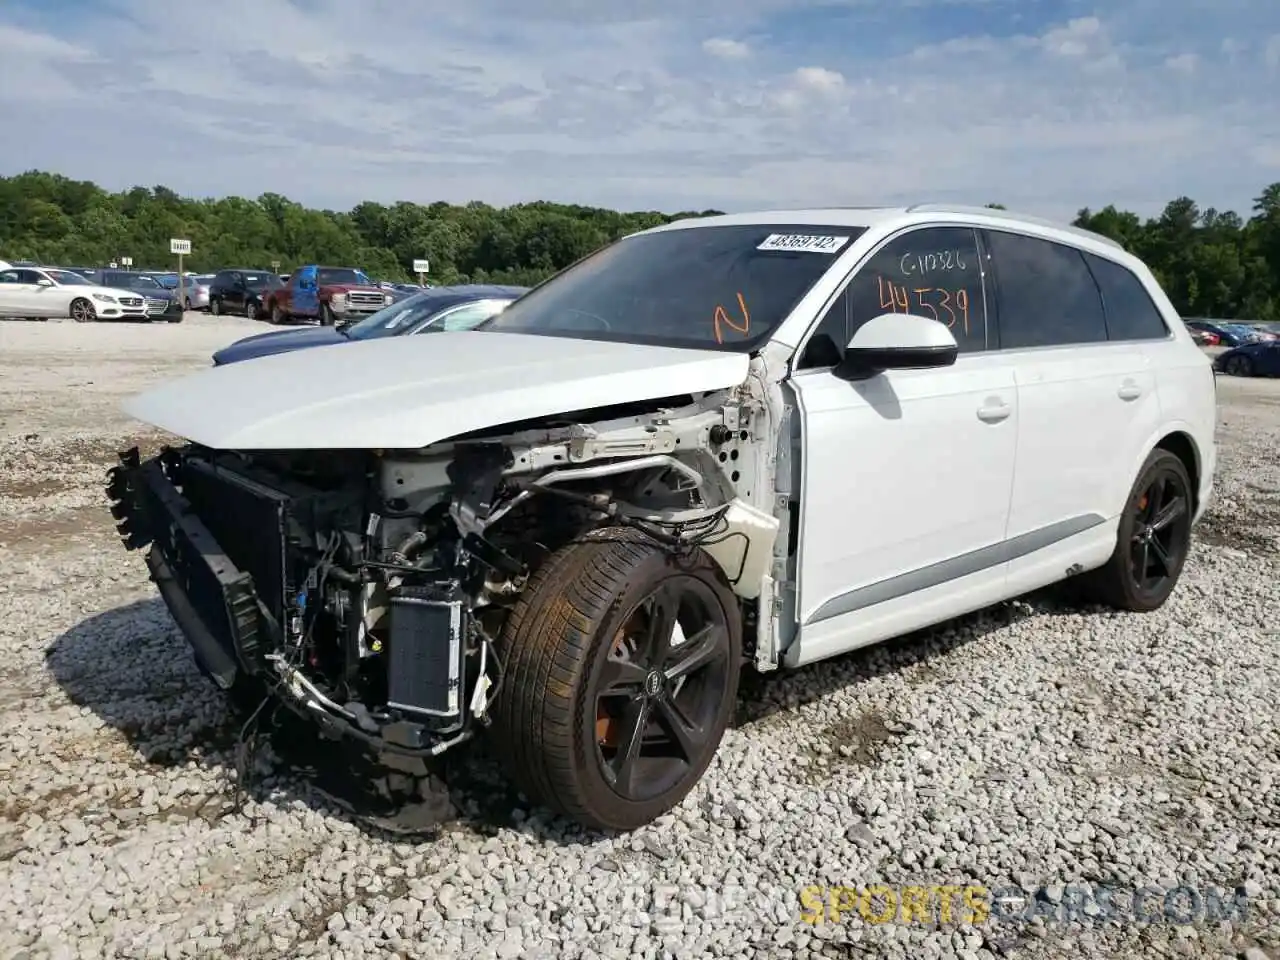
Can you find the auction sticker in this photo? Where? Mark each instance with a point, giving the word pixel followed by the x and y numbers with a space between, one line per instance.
pixel 802 243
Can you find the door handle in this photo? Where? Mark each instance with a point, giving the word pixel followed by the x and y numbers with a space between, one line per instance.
pixel 994 410
pixel 1129 391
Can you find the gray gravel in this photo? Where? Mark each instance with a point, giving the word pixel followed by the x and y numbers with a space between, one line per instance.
pixel 1035 745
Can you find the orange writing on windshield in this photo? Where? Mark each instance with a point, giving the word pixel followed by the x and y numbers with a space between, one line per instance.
pixel 938 303
pixel 721 319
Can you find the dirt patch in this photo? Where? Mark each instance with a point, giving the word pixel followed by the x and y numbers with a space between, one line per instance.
pixel 48 528
pixel 36 489
pixel 1253 526
pixel 856 741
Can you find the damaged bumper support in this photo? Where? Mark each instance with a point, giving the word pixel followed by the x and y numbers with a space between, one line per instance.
pixel 238 628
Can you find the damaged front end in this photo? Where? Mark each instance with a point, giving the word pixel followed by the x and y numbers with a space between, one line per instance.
pixel 369 590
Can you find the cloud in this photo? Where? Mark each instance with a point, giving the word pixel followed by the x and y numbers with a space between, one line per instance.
pixel 750 103
pixel 726 49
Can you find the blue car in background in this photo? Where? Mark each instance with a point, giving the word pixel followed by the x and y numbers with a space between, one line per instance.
pixel 1260 359
pixel 437 308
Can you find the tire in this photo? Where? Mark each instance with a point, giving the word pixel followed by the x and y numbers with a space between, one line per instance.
pixel 186 303
pixel 556 733
pixel 277 315
pixel 1117 583
pixel 251 310
pixel 327 319
pixel 1238 366
pixel 215 306
pixel 82 311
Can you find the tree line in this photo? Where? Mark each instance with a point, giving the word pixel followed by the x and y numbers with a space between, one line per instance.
pixel 1211 263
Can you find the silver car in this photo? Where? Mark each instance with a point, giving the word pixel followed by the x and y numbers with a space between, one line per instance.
pixel 195 291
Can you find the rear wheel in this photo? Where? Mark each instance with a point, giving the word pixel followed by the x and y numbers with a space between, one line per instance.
pixel 215 306
pixel 251 310
pixel 1239 366
pixel 621 672
pixel 82 311
pixel 1153 540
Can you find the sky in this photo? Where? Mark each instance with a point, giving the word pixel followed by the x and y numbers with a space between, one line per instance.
pixel 1045 106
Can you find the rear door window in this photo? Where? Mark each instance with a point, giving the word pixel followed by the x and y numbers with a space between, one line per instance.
pixel 1046 293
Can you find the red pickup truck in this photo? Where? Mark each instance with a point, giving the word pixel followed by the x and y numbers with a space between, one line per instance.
pixel 327 294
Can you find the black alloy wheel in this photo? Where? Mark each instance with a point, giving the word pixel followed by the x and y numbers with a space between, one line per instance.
pixel 621 668
pixel 1161 532
pixel 659 690
pixel 1239 366
pixel 1153 539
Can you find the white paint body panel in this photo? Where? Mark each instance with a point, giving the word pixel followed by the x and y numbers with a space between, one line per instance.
pixel 406 393
pixel 900 472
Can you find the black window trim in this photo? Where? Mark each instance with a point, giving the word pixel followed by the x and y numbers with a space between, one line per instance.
pixel 979 241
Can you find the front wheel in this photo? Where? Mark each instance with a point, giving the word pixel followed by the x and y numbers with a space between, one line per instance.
pixel 215 306
pixel 621 674
pixel 251 310
pixel 1153 540
pixel 82 311
pixel 1238 366
pixel 327 318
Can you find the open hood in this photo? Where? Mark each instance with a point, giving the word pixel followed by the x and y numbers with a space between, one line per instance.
pixel 410 392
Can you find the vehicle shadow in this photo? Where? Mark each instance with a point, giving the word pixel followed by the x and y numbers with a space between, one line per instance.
pixel 762 695
pixel 132 668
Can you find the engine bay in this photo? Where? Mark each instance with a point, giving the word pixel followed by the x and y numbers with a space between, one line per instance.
pixel 381 580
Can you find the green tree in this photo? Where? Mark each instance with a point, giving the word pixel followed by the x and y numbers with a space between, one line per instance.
pixel 1211 262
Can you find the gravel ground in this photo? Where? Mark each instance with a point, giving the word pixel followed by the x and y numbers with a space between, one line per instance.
pixel 1035 745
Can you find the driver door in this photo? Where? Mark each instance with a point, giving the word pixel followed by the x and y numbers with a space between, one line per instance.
pixel 906 475
pixel 306 292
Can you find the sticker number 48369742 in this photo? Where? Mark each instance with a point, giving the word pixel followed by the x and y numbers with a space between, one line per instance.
pixel 802 243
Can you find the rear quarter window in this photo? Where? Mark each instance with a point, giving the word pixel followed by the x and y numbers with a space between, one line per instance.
pixel 1131 313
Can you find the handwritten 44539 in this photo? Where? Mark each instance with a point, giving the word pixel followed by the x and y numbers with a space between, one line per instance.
pixel 939 303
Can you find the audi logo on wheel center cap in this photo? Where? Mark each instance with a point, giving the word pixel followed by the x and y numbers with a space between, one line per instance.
pixel 653 684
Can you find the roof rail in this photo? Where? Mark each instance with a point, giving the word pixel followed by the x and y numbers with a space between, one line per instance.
pixel 1010 215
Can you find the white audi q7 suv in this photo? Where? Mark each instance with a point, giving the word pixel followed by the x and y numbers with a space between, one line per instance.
pixel 739 442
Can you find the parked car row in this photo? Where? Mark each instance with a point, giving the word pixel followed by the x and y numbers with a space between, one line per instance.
pixel 329 295
pixel 50 292
pixel 1230 333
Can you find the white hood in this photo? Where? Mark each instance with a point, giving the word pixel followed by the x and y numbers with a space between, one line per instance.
pixel 410 392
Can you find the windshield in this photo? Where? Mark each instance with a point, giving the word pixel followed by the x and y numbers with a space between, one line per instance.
pixel 396 319
pixel 169 282
pixel 715 288
pixel 257 281
pixel 331 275
pixel 68 279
